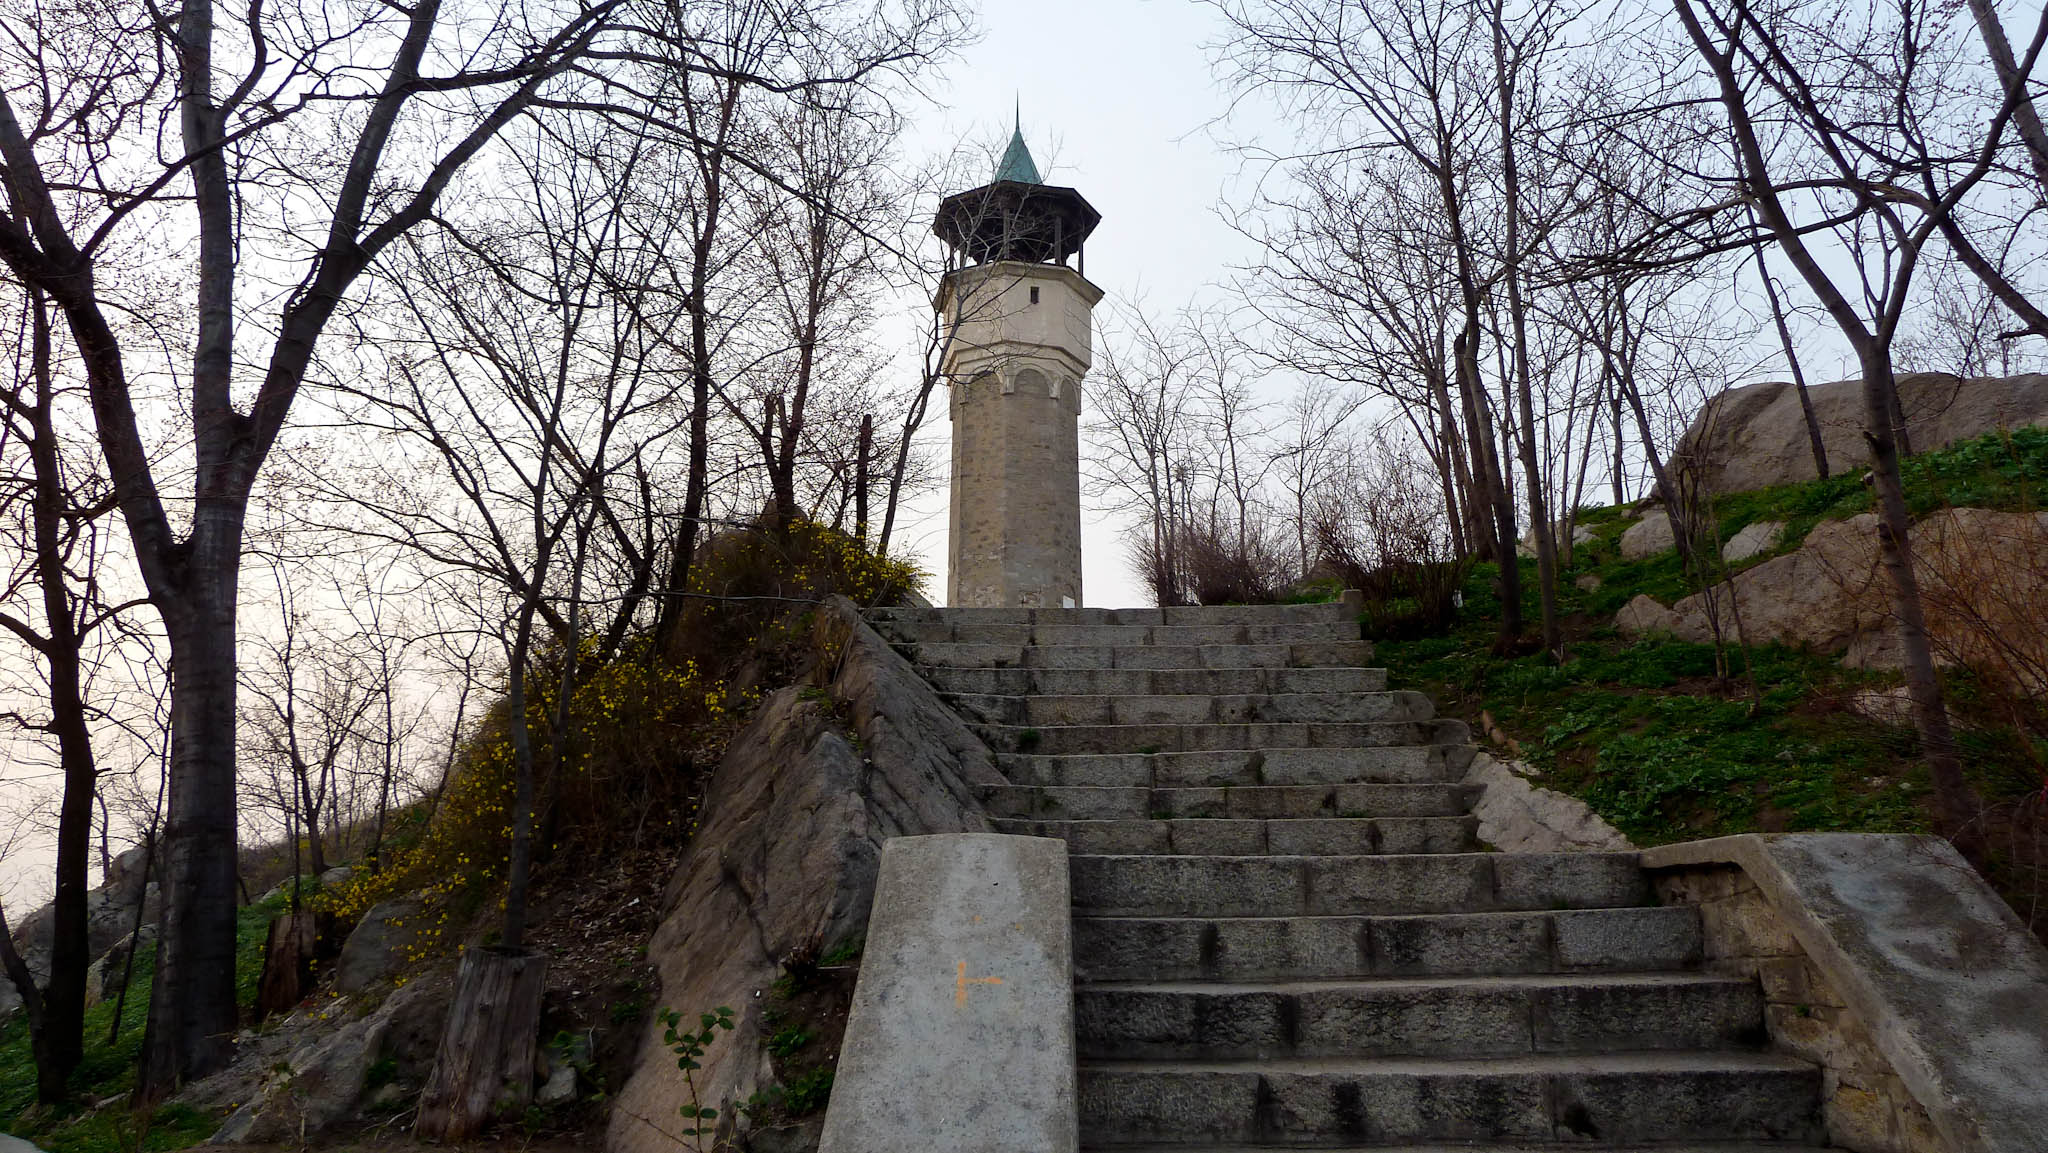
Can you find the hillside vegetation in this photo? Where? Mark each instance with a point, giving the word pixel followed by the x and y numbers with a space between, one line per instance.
pixel 1670 741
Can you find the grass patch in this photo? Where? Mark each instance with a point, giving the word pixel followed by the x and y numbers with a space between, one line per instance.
pixel 1667 749
pixel 108 1070
pixel 1647 736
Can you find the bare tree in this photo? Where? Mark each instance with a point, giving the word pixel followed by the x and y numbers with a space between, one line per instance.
pixel 1412 80
pixel 1145 381
pixel 75 221
pixel 55 603
pixel 1800 66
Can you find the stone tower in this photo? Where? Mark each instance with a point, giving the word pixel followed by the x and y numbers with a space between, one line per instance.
pixel 1016 345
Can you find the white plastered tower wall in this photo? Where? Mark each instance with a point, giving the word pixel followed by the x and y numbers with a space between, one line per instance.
pixel 1020 337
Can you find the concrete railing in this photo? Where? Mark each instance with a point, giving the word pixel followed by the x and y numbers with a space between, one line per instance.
pixel 961 1035
pixel 1887 961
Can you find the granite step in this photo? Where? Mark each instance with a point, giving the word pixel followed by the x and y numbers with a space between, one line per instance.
pixel 1307 654
pixel 1460 1017
pixel 1236 768
pixel 1154 682
pixel 1323 612
pixel 947 629
pixel 1060 740
pixel 1271 948
pixel 1309 837
pixel 1610 1099
pixel 1186 886
pixel 1257 802
pixel 1573 1146
pixel 1194 708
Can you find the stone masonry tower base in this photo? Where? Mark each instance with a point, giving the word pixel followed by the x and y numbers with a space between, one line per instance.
pixel 1020 347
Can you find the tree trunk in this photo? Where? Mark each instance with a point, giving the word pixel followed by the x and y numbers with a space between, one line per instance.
pixel 1539 516
pixel 862 451
pixel 485 1065
pixel 1486 469
pixel 1820 448
pixel 192 1011
pixel 1958 804
pixel 518 872
pixel 59 1036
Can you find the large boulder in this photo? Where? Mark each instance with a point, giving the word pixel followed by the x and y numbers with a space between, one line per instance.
pixel 1983 576
pixel 307 1072
pixel 1649 536
pixel 1580 535
pixel 1816 595
pixel 1755 436
pixel 786 856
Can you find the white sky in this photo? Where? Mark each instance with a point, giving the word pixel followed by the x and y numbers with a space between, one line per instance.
pixel 1116 94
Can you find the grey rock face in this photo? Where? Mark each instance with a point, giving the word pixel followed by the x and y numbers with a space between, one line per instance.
pixel 110 916
pixel 1518 817
pixel 1755 436
pixel 375 948
pixel 103 980
pixel 308 1072
pixel 320 1085
pixel 787 855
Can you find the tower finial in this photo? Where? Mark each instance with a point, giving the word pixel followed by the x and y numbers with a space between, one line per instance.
pixel 1017 164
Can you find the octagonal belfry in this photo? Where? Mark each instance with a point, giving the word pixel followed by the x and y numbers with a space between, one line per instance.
pixel 1017 328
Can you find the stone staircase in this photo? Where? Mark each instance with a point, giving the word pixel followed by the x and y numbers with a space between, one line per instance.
pixel 1286 933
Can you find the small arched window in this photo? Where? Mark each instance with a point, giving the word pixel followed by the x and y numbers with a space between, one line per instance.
pixel 1031 382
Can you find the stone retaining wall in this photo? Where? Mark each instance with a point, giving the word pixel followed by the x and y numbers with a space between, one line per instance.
pixel 1867 1107
pixel 1889 962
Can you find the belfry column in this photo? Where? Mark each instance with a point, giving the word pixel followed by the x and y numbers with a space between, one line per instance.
pixel 1017 344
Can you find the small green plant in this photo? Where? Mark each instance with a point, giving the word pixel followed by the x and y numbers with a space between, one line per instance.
pixel 1028 740
pixel 788 1040
pixel 808 1094
pixel 688 1045
pixel 380 1074
pixel 844 951
pixel 627 1011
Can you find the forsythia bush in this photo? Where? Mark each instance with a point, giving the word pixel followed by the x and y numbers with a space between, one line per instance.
pixel 638 732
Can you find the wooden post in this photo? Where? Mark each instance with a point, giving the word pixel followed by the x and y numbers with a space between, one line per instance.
pixel 486 1062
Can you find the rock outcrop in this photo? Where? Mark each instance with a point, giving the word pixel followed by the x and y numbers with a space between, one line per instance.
pixel 1519 816
pixel 1755 436
pixel 376 948
pixel 786 855
pixel 306 1072
pixel 1753 540
pixel 110 918
pixel 1983 576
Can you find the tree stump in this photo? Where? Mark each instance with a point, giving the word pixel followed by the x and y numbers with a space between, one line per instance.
pixel 486 1063
pixel 295 942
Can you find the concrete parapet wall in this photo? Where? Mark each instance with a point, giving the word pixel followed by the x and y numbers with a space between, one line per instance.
pixel 961 1035
pixel 1887 961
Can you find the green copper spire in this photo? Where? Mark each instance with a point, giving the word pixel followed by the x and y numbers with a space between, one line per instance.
pixel 1017 164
